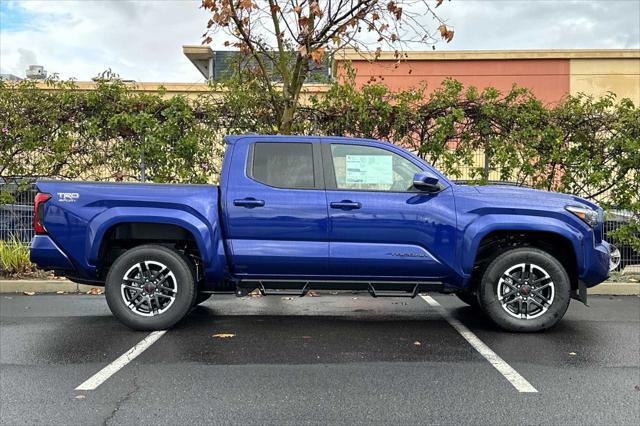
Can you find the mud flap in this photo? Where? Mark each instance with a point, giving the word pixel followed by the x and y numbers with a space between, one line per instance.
pixel 580 293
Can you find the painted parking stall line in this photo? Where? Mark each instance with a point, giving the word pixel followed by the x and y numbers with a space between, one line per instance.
pixel 518 382
pixel 101 376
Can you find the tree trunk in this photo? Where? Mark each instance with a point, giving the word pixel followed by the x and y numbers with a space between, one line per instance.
pixel 286 122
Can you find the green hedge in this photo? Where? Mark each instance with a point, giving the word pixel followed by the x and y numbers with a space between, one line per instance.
pixel 586 146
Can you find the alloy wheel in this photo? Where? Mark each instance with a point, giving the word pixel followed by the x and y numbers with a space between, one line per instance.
pixel 615 257
pixel 525 291
pixel 149 288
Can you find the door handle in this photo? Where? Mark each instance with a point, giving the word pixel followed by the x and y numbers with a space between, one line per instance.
pixel 345 205
pixel 248 203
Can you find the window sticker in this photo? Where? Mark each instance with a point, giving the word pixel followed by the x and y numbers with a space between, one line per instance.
pixel 369 169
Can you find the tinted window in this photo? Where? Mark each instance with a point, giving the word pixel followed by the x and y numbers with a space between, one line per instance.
pixel 283 165
pixel 368 168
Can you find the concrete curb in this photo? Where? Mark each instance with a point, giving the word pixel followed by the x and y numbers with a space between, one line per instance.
pixel 52 286
pixel 42 286
pixel 616 289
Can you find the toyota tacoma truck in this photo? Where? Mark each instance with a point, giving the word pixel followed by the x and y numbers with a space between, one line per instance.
pixel 298 213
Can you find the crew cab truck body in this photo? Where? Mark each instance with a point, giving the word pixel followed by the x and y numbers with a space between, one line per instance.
pixel 294 213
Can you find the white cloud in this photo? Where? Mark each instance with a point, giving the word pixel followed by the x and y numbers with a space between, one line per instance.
pixel 543 24
pixel 26 57
pixel 142 40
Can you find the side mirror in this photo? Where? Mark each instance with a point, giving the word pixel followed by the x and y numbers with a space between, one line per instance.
pixel 427 182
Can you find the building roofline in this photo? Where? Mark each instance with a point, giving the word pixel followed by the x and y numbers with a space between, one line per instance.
pixel 474 55
pixel 197 51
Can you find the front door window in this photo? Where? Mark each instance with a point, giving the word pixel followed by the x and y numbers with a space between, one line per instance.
pixel 366 168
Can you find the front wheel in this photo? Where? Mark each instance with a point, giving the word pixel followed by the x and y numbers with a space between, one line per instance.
pixel 525 289
pixel 150 287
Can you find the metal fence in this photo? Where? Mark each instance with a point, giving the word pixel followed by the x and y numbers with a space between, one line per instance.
pixel 623 257
pixel 16 208
pixel 16 221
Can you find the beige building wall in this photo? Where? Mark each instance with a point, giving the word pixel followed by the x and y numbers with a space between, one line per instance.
pixel 598 76
pixel 188 90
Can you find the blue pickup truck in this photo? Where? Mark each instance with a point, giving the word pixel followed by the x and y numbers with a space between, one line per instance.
pixel 295 213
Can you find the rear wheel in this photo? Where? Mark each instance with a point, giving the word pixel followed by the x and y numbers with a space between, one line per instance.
pixel 150 287
pixel 525 289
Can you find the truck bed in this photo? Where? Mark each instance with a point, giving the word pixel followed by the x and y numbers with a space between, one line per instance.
pixel 78 215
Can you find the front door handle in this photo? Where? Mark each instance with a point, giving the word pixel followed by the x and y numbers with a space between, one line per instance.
pixel 248 203
pixel 345 205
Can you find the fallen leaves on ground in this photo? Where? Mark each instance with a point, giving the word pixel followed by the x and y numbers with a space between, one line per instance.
pixel 95 291
pixel 29 293
pixel 223 335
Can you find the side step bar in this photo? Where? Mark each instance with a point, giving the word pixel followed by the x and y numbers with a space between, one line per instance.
pixel 283 292
pixel 394 293
pixel 300 288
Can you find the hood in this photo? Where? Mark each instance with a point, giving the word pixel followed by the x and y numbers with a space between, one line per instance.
pixel 527 196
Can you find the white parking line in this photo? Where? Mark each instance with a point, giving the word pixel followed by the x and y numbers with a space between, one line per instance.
pixel 97 379
pixel 518 382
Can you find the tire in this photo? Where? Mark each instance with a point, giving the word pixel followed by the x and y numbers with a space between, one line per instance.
pixel 548 280
pixel 158 307
pixel 615 261
pixel 470 298
pixel 201 298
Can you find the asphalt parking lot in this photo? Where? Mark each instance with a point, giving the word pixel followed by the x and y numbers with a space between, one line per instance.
pixel 330 359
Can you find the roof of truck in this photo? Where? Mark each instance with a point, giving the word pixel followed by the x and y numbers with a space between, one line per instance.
pixel 231 139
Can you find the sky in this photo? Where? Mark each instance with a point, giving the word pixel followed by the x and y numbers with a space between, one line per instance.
pixel 142 40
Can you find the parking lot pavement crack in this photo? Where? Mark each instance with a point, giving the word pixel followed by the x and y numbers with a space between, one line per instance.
pixel 122 401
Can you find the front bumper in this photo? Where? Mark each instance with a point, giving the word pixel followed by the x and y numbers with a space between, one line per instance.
pixel 47 255
pixel 596 268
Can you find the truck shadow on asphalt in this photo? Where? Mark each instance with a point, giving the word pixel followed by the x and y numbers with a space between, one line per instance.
pixel 300 339
pixel 364 336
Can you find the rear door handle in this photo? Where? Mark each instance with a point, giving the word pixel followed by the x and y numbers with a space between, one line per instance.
pixel 248 203
pixel 345 205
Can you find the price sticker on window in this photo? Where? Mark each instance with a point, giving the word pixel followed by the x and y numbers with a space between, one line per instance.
pixel 369 169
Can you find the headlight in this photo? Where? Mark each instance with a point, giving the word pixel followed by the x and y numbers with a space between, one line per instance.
pixel 589 216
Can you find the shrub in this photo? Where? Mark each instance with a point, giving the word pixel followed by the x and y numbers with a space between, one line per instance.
pixel 14 258
pixel 585 146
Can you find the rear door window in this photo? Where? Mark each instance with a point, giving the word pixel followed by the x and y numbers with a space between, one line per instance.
pixel 283 165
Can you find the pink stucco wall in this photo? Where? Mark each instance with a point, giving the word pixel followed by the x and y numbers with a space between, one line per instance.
pixel 548 79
